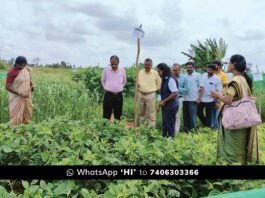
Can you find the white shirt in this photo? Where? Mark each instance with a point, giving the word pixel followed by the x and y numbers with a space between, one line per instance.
pixel 212 83
pixel 194 82
pixel 230 76
pixel 172 85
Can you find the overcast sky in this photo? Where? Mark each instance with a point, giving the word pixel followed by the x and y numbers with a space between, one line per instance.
pixel 88 32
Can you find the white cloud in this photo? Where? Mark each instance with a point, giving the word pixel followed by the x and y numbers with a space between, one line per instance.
pixel 88 32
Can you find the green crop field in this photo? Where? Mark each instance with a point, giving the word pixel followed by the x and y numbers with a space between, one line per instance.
pixel 259 92
pixel 67 129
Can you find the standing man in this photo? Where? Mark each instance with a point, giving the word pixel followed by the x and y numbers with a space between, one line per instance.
pixel 113 80
pixel 224 80
pixel 192 98
pixel 183 88
pixel 210 83
pixel 149 83
pixel 220 73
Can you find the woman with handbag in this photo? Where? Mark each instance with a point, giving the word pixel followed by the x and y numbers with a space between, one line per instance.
pixel 237 142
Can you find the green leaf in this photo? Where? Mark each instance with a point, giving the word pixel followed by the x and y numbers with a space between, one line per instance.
pixel 42 184
pixel 214 192
pixel 5 194
pixel 173 193
pixel 25 184
pixel 45 156
pixel 6 149
pixel 35 181
pixel 61 190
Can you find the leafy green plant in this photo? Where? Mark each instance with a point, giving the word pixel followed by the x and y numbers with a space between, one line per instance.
pixel 67 129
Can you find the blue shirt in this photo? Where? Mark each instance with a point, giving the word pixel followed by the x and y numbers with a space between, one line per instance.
pixel 194 81
pixel 183 85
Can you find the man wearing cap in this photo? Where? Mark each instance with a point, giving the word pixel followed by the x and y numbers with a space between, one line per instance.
pixel 183 88
pixel 211 83
pixel 149 82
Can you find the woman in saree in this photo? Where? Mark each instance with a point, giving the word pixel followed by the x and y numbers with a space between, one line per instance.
pixel 19 86
pixel 237 146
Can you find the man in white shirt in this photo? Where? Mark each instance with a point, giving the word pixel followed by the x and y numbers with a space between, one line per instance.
pixel 211 83
pixel 192 98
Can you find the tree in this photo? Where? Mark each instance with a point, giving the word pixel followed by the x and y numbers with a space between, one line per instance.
pixel 207 52
pixel 3 66
pixel 11 61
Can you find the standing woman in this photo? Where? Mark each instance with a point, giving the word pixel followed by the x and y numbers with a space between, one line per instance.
pixel 241 145
pixel 169 101
pixel 19 85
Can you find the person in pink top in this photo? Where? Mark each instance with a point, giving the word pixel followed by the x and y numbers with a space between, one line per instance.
pixel 113 80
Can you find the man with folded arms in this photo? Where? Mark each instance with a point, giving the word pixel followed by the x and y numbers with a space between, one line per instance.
pixel 149 83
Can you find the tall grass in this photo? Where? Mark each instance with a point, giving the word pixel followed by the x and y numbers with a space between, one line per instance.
pixel 56 95
pixel 259 93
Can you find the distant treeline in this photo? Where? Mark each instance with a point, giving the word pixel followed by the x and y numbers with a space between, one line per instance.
pixel 5 64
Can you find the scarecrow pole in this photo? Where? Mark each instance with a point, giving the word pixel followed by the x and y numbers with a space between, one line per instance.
pixel 138 33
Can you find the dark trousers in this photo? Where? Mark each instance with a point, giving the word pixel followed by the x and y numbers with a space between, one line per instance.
pixel 168 120
pixel 112 103
pixel 189 115
pixel 207 118
pixel 215 113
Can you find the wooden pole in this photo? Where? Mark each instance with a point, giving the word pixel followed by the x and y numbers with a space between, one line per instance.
pixel 136 85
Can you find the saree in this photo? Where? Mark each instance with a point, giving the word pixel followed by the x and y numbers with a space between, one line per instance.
pixel 21 108
pixel 237 146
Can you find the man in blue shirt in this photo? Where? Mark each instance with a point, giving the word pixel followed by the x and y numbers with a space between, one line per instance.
pixel 192 98
pixel 183 88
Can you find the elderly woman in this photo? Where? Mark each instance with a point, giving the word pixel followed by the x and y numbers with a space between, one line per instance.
pixel 169 101
pixel 19 85
pixel 241 145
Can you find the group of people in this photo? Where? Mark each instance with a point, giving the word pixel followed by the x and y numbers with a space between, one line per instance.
pixel 192 93
pixel 196 95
